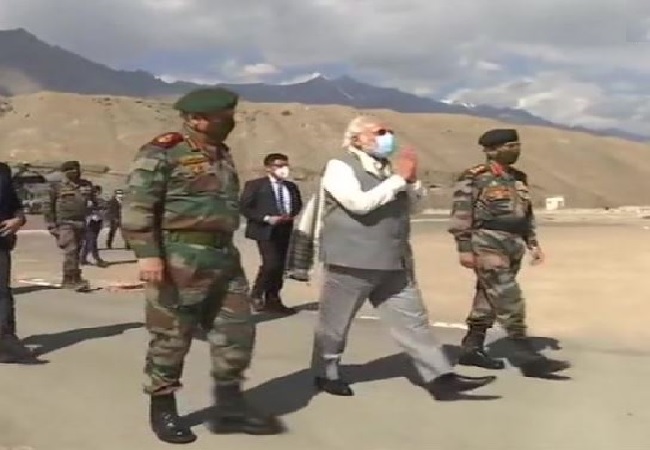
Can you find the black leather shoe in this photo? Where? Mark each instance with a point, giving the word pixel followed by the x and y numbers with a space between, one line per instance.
pixel 479 358
pixel 12 351
pixel 234 415
pixel 450 385
pixel 165 422
pixel 333 387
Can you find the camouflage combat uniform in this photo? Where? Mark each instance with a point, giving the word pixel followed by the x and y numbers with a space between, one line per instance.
pixel 65 214
pixel 492 218
pixel 182 205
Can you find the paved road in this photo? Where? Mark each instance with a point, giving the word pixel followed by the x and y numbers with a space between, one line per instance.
pixel 88 395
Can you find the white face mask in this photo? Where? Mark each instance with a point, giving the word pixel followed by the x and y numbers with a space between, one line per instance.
pixel 281 172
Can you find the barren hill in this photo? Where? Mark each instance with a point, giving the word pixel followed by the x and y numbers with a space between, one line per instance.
pixel 588 171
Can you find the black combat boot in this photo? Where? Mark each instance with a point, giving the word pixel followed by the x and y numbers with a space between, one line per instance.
pixel 165 422
pixel 234 415
pixel 78 283
pixel 532 363
pixel 67 281
pixel 473 353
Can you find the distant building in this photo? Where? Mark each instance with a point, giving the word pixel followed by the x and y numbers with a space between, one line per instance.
pixel 554 203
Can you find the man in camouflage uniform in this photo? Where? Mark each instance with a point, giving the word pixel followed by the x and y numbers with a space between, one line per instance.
pixel 179 214
pixel 65 213
pixel 493 225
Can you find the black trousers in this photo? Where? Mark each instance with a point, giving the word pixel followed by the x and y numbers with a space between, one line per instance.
pixel 113 226
pixel 270 277
pixel 7 305
pixel 90 240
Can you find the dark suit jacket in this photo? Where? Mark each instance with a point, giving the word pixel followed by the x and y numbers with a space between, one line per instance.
pixel 10 204
pixel 258 200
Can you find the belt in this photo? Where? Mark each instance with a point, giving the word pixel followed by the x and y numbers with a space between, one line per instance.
pixel 215 239
pixel 518 228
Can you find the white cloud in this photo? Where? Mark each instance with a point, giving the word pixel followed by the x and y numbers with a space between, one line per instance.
pixel 570 51
pixel 558 97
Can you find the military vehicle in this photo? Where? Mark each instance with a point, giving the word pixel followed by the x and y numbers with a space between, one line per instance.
pixel 31 187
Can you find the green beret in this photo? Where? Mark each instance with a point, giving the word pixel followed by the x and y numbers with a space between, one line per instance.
pixel 208 100
pixel 70 165
pixel 497 137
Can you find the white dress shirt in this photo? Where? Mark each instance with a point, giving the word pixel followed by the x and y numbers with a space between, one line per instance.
pixel 286 195
pixel 342 184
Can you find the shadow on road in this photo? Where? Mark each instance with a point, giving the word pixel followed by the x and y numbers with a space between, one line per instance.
pixel 123 261
pixel 290 393
pixel 258 318
pixel 47 343
pixel 266 317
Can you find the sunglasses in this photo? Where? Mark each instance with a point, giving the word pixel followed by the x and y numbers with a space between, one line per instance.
pixel 382 131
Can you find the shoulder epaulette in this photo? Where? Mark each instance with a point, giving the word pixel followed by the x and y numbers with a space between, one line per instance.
pixel 477 170
pixel 519 175
pixel 168 140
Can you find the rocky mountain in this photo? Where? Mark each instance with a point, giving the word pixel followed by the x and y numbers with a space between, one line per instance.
pixel 29 65
pixel 104 132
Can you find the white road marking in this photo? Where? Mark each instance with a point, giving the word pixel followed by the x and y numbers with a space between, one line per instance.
pixel 38 282
pixel 449 325
pixel 32 232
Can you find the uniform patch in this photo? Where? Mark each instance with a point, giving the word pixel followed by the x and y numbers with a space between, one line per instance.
pixel 168 140
pixel 497 193
pixel 192 160
pixel 199 168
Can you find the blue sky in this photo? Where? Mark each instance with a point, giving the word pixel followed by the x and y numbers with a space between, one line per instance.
pixel 580 62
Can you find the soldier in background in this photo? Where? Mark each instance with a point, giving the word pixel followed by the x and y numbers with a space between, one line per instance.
pixel 114 217
pixel 493 225
pixel 94 223
pixel 65 213
pixel 179 216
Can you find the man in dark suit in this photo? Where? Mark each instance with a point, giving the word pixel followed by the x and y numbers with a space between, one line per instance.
pixel 12 219
pixel 270 205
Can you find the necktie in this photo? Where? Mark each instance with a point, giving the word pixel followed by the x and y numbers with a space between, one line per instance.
pixel 281 201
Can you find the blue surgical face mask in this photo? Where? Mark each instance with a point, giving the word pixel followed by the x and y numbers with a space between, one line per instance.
pixel 386 145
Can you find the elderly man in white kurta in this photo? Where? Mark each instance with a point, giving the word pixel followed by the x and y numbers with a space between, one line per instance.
pixel 365 248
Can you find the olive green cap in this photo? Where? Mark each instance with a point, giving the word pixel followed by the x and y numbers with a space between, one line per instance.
pixel 207 100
